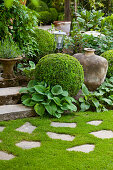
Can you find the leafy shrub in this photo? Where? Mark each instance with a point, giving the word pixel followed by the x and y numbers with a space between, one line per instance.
pixel 61 69
pixel 44 98
pixel 109 56
pixel 41 6
pixel 46 42
pixel 44 17
pixel 54 14
pixel 100 100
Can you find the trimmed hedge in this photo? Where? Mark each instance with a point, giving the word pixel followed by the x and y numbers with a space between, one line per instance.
pixel 44 17
pixel 42 6
pixel 46 42
pixel 109 57
pixel 54 14
pixel 61 69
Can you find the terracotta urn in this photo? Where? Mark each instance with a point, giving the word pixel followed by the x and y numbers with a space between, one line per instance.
pixel 95 68
pixel 8 65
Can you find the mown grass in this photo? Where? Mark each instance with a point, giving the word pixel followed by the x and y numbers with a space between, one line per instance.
pixel 52 155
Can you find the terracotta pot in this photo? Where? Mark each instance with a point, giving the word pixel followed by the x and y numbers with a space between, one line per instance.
pixel 95 68
pixel 63 25
pixel 8 65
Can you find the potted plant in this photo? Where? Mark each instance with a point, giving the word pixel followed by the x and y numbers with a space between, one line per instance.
pixel 9 55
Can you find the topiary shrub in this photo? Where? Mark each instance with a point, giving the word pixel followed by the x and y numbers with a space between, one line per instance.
pixel 44 17
pixel 109 57
pixel 54 14
pixel 42 6
pixel 61 69
pixel 46 42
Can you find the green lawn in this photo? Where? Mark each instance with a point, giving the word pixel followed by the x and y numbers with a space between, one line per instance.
pixel 52 154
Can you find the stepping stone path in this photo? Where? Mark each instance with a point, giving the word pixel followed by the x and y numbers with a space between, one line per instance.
pixel 82 148
pixel 28 144
pixel 0 141
pixel 27 127
pixel 95 122
pixel 6 156
pixel 58 124
pixel 1 128
pixel 103 134
pixel 60 136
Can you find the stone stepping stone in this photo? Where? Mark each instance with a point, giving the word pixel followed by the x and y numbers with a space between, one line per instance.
pixel 11 112
pixel 103 134
pixel 6 156
pixel 28 144
pixel 0 141
pixel 82 148
pixel 58 124
pixel 27 127
pixel 95 122
pixel 1 128
pixel 60 136
pixel 9 95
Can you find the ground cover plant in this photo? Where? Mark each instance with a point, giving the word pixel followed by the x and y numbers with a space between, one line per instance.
pixel 53 154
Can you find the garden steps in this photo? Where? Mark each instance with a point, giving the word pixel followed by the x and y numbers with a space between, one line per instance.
pixel 10 95
pixel 11 112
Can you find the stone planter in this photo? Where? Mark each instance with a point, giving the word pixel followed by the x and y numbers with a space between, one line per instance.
pixel 63 25
pixel 95 68
pixel 8 65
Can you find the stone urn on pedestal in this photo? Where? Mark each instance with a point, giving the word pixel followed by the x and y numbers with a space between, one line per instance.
pixel 95 68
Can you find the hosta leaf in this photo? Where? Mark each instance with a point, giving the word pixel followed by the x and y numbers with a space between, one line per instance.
pixel 85 89
pixel 50 96
pixel 57 115
pixel 72 107
pixel 39 109
pixel 32 64
pixel 96 102
pixel 108 101
pixel 29 102
pixel 31 89
pixel 64 93
pixel 32 83
pixel 51 108
pixel 81 99
pixel 47 102
pixel 57 101
pixel 84 107
pixel 59 110
pixel 69 99
pixel 56 90
pixel 23 90
pixel 37 97
pixel 40 89
pixel 64 106
pixel 25 96
pixel 111 97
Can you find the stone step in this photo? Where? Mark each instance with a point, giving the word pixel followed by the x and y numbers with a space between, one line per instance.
pixel 10 95
pixel 11 112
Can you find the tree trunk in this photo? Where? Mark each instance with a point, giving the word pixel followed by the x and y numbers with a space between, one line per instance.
pixel 67 12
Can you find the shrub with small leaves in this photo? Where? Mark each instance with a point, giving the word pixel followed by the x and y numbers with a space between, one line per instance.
pixel 46 99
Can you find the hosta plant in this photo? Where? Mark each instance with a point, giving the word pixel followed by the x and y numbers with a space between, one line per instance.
pixel 46 99
pixel 100 100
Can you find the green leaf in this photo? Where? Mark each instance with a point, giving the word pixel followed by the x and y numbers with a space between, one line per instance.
pixel 81 99
pixel 40 89
pixel 69 99
pixel 57 115
pixel 31 90
pixel 57 101
pixel 95 102
pixel 85 89
pixel 32 83
pixel 32 64
pixel 39 109
pixel 72 107
pixel 111 97
pixel 37 97
pixel 51 108
pixel 59 110
pixel 84 107
pixel 29 102
pixel 47 102
pixel 108 101
pixel 50 96
pixel 25 96
pixel 56 90
pixel 23 90
pixel 65 106
pixel 65 93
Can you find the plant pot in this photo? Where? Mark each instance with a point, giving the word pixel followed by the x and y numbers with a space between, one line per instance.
pixel 95 68
pixel 8 65
pixel 63 25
